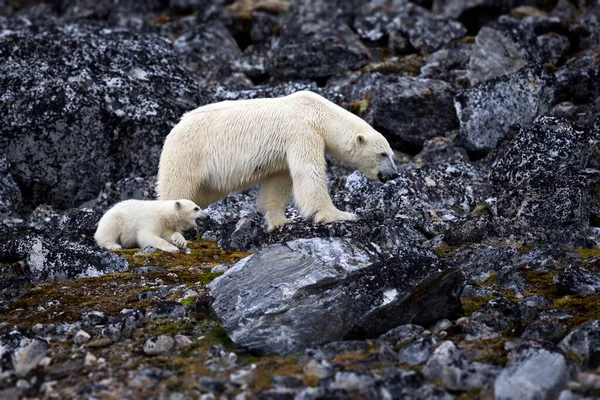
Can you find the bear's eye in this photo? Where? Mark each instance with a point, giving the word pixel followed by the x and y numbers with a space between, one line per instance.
pixel 196 209
pixel 383 155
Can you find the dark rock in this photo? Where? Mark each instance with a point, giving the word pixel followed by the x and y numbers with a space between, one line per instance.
pixel 553 48
pixel 125 189
pixel 582 115
pixel 533 373
pixel 374 17
pixel 479 12
pixel 20 352
pixel 208 51
pixel 579 79
pixel 494 317
pixel 501 49
pixel 314 48
pixel 84 101
pixel 450 64
pixel 57 259
pixel 577 280
pixel 10 195
pixel 531 305
pixel 440 150
pixel 168 309
pixel 359 292
pixel 585 343
pixel 93 318
pixel 288 381
pixel 212 385
pixel 425 31
pixel 406 110
pixel 486 111
pixel 549 327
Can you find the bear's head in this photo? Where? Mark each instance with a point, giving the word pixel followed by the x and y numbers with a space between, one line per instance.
pixel 189 215
pixel 372 155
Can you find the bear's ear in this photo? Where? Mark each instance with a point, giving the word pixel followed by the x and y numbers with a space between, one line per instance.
pixel 177 205
pixel 360 139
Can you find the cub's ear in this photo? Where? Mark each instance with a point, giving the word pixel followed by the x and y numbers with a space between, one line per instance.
pixel 177 205
pixel 360 139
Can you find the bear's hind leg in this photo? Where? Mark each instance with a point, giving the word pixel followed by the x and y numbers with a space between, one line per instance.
pixel 274 196
pixel 146 240
pixel 108 232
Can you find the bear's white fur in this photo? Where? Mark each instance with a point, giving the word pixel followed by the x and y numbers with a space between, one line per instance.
pixel 280 143
pixel 141 223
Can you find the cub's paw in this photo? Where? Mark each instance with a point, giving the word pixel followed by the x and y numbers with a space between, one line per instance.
pixel 179 241
pixel 333 216
pixel 170 248
pixel 113 247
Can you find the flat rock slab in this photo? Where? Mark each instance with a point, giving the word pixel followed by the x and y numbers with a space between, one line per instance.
pixel 307 292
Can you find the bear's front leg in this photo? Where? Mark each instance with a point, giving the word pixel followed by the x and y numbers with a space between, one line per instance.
pixel 310 190
pixel 178 240
pixel 157 242
pixel 274 196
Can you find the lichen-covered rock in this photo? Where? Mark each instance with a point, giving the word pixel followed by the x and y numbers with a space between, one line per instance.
pixel 10 195
pixel 577 280
pixel 584 342
pixel 20 352
pixel 533 373
pixel 553 47
pixel 353 288
pixel 406 110
pixel 450 64
pixel 125 189
pixel 486 111
pixel 314 48
pixel 548 327
pixel 501 49
pixel 84 105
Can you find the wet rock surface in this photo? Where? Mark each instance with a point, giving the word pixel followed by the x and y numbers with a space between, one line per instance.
pixel 474 274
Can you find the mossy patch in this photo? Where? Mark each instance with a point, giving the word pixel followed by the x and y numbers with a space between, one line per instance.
pixel 473 304
pixel 583 308
pixel 587 253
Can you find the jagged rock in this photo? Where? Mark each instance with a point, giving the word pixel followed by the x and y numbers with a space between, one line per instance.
pixel 577 280
pixel 531 305
pixel 486 111
pixel 480 10
pixel 208 51
pixel 86 101
pixel 57 259
pixel 553 47
pixel 440 150
pixel 314 48
pixel 549 327
pixel 402 335
pixel 450 64
pixel 406 110
pixel 449 365
pixel 494 317
pixel 579 79
pixel 584 342
pixel 501 49
pixel 20 352
pixel 533 373
pixel 425 31
pixel 125 189
pixel 10 195
pixel 321 279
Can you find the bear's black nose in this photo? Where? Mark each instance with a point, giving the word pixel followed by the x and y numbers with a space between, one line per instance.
pixel 202 218
pixel 393 176
pixel 381 177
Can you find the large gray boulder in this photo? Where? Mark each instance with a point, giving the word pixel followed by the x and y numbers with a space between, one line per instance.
pixel 307 292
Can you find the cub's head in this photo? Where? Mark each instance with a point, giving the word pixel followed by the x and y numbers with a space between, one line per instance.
pixel 189 215
pixel 372 155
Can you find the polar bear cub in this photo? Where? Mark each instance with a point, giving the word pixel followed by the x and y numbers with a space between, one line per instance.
pixel 280 143
pixel 141 223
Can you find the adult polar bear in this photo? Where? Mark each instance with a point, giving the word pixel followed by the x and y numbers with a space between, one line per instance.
pixel 280 143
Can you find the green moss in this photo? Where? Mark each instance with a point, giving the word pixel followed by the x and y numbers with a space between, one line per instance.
pixel 587 253
pixel 473 304
pixel 583 308
pixel 170 328
pixel 359 107
pixel 541 282
pixel 188 301
pixel 529 247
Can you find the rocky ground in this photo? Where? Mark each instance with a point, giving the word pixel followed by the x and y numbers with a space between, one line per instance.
pixel 475 274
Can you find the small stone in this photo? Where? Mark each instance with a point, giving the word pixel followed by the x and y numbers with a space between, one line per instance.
pixel 93 318
pixel 220 268
pixel 417 352
pixel 161 344
pixel 81 337
pixel 45 362
pixel 89 359
pixel 318 369
pixel 288 382
pixel 99 343
pixel 182 341
pixel 23 384
pixel 243 377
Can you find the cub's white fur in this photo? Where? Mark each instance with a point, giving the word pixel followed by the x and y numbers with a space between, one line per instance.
pixel 280 143
pixel 141 223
